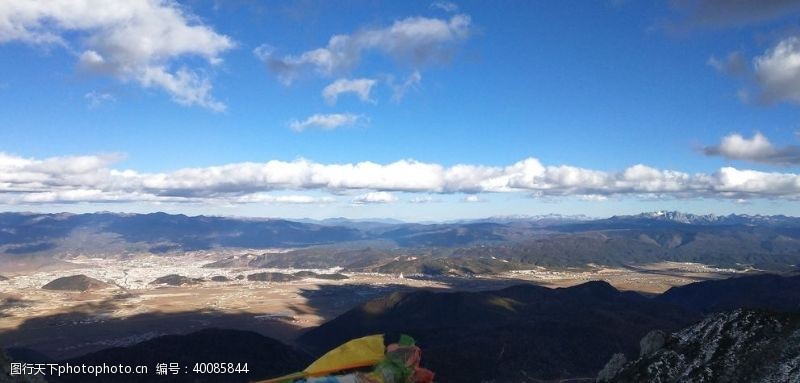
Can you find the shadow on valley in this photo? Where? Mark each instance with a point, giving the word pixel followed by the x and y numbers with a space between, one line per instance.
pixel 329 301
pixel 521 333
pixel 10 303
pixel 528 333
pixel 90 327
pixel 88 335
pixel 514 334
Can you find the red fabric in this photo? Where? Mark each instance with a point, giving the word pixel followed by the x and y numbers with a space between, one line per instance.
pixel 422 375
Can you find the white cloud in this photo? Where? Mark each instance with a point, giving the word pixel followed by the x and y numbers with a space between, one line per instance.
pixel 592 197
pixel 96 99
pixel 733 64
pixel 399 90
pixel 471 198
pixel 423 199
pixel 414 40
pixel 95 179
pixel 444 6
pixel 326 121
pixel 757 149
pixel 291 199
pixel 361 87
pixel 138 41
pixel 777 71
pixel 374 197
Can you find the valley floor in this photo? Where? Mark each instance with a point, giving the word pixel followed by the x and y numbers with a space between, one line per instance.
pixel 63 324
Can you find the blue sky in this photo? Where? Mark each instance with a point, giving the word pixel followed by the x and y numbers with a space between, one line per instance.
pixel 704 95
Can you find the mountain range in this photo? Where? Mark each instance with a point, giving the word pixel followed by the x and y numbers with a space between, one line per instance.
pixel 485 246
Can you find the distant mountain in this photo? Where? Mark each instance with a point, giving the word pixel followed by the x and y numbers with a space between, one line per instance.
pixel 24 233
pixel 76 283
pixel 492 245
pixel 510 335
pixel 234 261
pixel 542 220
pixel 739 346
pixel 445 235
pixel 765 291
pixel 671 218
pixel 477 251
pixel 361 224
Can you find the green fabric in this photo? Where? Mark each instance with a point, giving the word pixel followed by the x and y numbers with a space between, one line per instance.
pixel 394 366
pixel 406 340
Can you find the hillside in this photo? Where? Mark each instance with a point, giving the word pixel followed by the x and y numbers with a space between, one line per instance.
pixel 520 333
pixel 76 283
pixel 176 280
pixel 265 357
pixel 514 334
pixel 764 291
pixel 738 346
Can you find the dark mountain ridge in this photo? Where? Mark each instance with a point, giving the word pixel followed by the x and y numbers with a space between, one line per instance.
pixel 765 291
pixel 736 346
pixel 510 334
pixel 265 357
pixel 523 333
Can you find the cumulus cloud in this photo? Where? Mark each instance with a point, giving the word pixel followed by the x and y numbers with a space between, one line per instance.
pixel 756 149
pixel 471 198
pixel 374 197
pixel 361 87
pixel 96 179
pixel 777 71
pixel 444 6
pixel 326 121
pixel 773 76
pixel 137 41
pixel 414 40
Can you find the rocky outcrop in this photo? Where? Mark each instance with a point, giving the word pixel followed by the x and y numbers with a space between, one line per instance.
pixel 612 368
pixel 652 342
pixel 737 346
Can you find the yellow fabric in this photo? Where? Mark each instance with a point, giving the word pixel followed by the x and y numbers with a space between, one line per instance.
pixel 361 352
